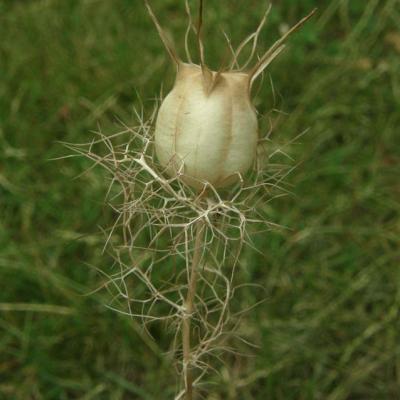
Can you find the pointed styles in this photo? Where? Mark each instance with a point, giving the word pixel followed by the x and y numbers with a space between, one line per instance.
pixel 264 64
pixel 253 37
pixel 188 29
pixel 275 49
pixel 200 33
pixel 208 76
pixel 167 43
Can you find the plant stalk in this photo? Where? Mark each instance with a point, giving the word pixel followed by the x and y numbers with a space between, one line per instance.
pixel 190 296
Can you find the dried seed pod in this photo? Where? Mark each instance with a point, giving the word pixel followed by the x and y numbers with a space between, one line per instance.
pixel 207 128
pixel 210 134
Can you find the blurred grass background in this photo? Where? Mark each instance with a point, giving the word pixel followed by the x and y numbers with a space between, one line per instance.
pixel 330 326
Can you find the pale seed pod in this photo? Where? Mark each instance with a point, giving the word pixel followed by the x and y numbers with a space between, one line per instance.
pixel 207 128
pixel 209 136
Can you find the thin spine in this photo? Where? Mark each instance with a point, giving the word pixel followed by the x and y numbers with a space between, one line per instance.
pixel 254 36
pixel 188 29
pixel 167 44
pixel 265 64
pixel 273 51
pixel 208 80
pixel 200 34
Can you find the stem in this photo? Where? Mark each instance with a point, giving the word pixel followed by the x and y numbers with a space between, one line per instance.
pixel 186 323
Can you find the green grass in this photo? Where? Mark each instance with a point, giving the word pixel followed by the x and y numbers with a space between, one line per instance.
pixel 330 326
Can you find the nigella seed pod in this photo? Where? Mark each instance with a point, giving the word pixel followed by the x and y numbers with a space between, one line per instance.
pixel 207 128
pixel 211 135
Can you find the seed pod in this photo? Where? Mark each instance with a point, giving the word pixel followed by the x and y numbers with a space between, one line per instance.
pixel 210 134
pixel 207 128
